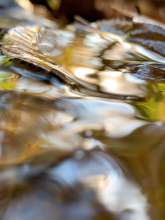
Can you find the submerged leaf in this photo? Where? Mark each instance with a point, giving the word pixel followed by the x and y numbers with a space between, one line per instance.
pixel 34 44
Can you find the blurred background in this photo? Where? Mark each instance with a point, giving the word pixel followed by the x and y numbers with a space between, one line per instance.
pixel 96 9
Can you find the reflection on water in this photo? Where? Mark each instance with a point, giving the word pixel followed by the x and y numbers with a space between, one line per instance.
pixel 101 173
pixel 82 113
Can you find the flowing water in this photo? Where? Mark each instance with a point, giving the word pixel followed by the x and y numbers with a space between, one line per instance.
pixel 82 120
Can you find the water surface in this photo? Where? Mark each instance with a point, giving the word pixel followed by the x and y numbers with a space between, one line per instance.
pixel 82 112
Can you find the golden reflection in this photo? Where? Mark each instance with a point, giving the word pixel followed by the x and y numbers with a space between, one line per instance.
pixel 58 124
pixel 26 4
pixel 117 82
